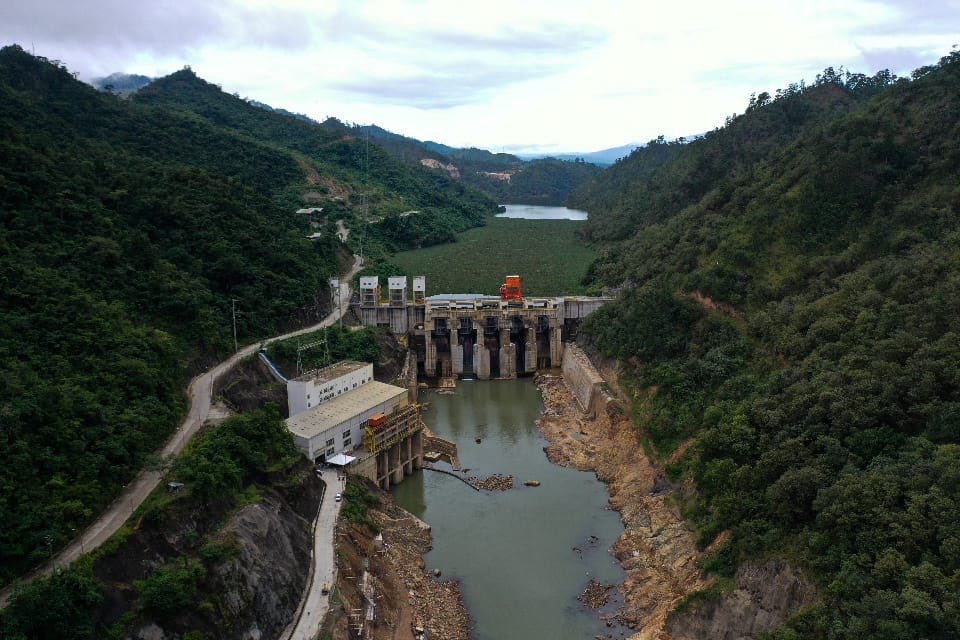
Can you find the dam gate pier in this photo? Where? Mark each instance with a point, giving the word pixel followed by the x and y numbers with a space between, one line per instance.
pixel 475 335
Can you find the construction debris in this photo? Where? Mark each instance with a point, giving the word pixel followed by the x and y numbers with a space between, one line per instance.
pixel 437 605
pixel 496 482
pixel 595 595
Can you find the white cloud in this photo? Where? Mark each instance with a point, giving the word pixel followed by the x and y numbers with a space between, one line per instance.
pixel 572 75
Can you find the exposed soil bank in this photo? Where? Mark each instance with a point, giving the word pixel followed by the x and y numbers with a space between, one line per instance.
pixel 658 549
pixel 410 599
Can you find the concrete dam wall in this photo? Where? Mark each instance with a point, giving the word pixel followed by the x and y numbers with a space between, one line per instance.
pixel 582 378
pixel 474 335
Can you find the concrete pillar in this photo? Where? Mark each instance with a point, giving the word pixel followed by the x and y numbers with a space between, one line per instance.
pixel 430 358
pixel 556 346
pixel 456 358
pixel 407 445
pixel 384 459
pixel 530 358
pixel 508 361
pixel 481 360
pixel 413 391
pixel 396 468
pixel 398 320
pixel 417 444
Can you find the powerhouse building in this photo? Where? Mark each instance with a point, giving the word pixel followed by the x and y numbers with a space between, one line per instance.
pixel 316 387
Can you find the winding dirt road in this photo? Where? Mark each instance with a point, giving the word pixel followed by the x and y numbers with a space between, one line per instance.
pixel 200 393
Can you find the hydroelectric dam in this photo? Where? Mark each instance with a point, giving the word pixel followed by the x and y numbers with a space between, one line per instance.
pixel 475 335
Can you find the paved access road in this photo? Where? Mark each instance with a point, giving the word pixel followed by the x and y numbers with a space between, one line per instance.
pixel 199 392
pixel 314 605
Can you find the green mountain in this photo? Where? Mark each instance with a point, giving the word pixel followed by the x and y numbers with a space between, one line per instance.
pixel 347 176
pixel 128 227
pixel 789 309
pixel 505 177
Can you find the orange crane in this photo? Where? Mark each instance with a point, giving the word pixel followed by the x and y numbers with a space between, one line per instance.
pixel 510 289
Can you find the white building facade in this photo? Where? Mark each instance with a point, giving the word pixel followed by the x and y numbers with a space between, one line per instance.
pixel 313 389
pixel 336 426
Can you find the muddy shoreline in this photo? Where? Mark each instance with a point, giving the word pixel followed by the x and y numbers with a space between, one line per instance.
pixel 657 548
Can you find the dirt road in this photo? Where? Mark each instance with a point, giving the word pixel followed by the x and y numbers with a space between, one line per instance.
pixel 199 392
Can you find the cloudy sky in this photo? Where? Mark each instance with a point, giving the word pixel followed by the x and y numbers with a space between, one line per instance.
pixel 514 76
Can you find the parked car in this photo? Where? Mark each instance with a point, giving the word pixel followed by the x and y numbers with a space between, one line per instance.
pixel 338 498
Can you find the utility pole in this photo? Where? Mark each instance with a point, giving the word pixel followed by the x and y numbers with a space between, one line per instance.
pixel 233 307
pixel 335 286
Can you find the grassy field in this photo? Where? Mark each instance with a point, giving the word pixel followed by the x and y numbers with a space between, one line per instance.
pixel 545 253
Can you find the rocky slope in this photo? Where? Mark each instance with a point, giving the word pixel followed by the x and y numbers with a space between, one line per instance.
pixel 658 548
pixel 252 566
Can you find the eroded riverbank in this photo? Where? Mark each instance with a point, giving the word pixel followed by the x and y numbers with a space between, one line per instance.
pixel 657 548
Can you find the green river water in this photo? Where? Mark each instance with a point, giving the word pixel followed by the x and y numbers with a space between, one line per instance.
pixel 513 551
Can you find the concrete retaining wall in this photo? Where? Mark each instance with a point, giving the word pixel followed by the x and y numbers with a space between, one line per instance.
pixel 581 377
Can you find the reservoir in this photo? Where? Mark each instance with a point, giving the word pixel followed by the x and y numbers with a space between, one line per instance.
pixel 536 212
pixel 522 556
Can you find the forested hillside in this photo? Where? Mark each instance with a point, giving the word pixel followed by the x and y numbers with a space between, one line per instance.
pixel 342 169
pixel 503 176
pixel 128 227
pixel 791 286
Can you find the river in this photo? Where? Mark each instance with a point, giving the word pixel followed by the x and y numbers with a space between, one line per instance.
pixel 522 556
pixel 537 212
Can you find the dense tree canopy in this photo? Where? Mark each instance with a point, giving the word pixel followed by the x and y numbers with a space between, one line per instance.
pixel 790 303
pixel 127 229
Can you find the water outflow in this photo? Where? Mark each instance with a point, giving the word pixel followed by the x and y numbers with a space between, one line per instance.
pixel 524 555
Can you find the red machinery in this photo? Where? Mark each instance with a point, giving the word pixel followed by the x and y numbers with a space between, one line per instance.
pixel 510 289
pixel 377 421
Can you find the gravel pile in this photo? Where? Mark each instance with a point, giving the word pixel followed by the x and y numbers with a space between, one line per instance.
pixel 496 482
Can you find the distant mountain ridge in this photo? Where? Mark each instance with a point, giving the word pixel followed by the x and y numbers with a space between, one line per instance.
pixel 122 83
pixel 506 177
pixel 603 157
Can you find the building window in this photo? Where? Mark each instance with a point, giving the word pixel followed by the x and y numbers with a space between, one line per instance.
pixel 330 451
pixel 347 442
pixel 330 442
pixel 308 396
pixel 308 404
pixel 346 434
